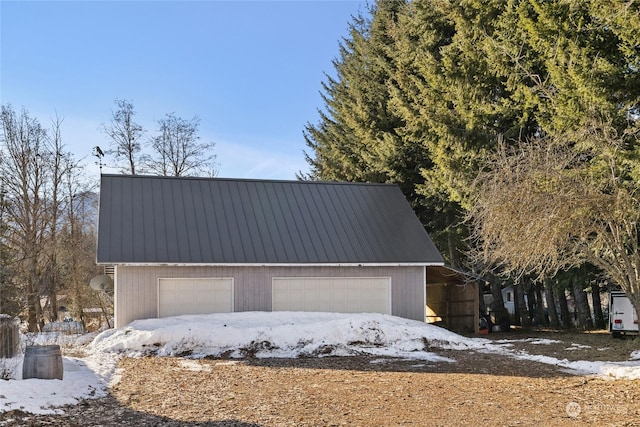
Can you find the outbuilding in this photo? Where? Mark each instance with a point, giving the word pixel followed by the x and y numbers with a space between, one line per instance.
pixel 205 245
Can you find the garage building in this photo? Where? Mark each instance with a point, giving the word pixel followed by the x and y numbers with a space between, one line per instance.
pixel 212 245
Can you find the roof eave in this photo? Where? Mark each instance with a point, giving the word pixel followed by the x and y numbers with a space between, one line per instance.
pixel 328 264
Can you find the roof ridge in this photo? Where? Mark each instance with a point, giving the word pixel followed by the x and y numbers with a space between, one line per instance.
pixel 263 180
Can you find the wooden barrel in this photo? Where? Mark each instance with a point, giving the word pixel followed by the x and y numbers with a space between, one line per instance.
pixel 43 362
pixel 9 337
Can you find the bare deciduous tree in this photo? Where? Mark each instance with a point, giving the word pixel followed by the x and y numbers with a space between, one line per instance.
pixel 51 277
pixel 547 205
pixel 124 135
pixel 178 151
pixel 79 239
pixel 10 296
pixel 34 173
pixel 25 175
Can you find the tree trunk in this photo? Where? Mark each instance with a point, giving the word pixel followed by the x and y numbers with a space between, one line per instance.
pixel 452 250
pixel 516 307
pixel 551 305
pixel 582 305
pixel 497 306
pixel 51 288
pixel 451 242
pixel 531 304
pixel 599 321
pixel 78 306
pixel 525 320
pixel 33 298
pixel 53 297
pixel 565 314
pixel 496 293
pixel 540 317
pixel 32 316
pixel 481 304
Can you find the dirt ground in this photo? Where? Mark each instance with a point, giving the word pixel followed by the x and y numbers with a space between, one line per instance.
pixel 476 389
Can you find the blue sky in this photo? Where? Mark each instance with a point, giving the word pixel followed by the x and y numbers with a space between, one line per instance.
pixel 251 70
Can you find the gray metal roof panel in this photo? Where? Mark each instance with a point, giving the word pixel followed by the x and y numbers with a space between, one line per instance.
pixel 150 219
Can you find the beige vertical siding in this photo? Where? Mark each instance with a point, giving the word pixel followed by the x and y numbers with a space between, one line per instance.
pixel 136 287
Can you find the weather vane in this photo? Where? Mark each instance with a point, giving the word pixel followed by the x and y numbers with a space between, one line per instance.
pixel 97 151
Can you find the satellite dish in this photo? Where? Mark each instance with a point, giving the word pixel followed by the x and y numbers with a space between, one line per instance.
pixel 101 283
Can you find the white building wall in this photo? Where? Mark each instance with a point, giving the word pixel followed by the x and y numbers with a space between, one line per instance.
pixel 136 287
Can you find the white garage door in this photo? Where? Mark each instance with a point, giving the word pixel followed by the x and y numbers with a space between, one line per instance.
pixel 194 296
pixel 332 294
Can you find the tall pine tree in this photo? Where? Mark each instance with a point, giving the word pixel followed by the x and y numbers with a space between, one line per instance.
pixel 568 193
pixel 358 137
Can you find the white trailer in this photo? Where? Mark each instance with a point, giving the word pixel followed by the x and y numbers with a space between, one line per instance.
pixel 623 318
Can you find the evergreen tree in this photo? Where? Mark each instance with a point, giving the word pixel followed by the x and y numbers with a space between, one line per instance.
pixel 358 137
pixel 569 193
pixel 427 92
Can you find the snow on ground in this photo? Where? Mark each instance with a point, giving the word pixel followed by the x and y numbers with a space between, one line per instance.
pixel 280 334
pixel 82 378
pixel 258 334
pixel 536 341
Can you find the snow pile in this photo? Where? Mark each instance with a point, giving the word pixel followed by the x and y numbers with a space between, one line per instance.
pixel 62 339
pixel 281 334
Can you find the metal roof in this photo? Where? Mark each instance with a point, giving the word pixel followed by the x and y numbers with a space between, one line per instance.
pixel 169 220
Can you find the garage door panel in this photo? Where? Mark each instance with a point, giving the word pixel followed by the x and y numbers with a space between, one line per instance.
pixel 332 294
pixel 194 296
pixel 326 299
